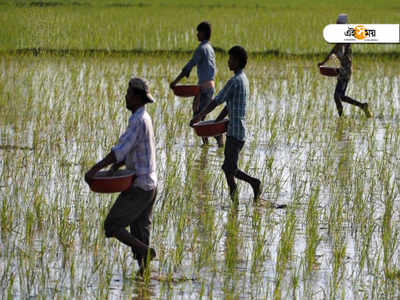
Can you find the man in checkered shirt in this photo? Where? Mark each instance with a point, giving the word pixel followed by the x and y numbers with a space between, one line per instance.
pixel 235 93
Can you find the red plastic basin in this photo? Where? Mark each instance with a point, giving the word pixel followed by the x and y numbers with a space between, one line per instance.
pixel 328 71
pixel 186 90
pixel 211 128
pixel 119 181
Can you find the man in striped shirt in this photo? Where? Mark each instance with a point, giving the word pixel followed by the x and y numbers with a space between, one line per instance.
pixel 135 150
pixel 235 93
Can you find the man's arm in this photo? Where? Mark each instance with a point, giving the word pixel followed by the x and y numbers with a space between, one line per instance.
pixel 222 114
pixel 177 79
pixel 107 160
pixel 188 67
pixel 328 56
pixel 116 166
pixel 209 108
pixel 222 96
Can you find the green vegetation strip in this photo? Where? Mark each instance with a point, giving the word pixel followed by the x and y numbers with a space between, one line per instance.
pixel 270 30
pixel 393 55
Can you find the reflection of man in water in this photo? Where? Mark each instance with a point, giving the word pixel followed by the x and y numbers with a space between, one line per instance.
pixel 201 185
pixel 344 53
pixel 344 155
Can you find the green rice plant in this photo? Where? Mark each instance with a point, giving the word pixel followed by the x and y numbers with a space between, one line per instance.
pixel 284 254
pixel 232 243
pixel 312 236
pixel 338 247
pixel 258 253
pixel 389 237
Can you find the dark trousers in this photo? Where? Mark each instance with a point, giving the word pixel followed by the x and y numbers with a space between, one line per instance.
pixel 231 152
pixel 233 147
pixel 132 208
pixel 340 94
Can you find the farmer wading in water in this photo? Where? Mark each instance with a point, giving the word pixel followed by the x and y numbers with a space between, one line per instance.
pixel 344 54
pixel 136 150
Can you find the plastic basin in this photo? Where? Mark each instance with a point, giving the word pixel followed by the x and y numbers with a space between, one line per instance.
pixel 186 90
pixel 211 127
pixel 328 71
pixel 119 181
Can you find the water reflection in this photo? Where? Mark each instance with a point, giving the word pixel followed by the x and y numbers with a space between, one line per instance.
pixel 344 153
pixel 143 289
pixel 232 252
pixel 201 187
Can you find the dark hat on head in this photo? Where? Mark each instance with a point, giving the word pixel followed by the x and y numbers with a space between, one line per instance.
pixel 141 84
pixel 342 19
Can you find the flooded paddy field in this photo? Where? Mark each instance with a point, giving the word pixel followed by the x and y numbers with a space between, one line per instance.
pixel 337 237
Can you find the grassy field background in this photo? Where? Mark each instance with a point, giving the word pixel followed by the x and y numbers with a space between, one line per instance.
pixel 284 27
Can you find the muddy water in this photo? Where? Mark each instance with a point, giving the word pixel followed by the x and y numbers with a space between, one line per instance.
pixel 66 113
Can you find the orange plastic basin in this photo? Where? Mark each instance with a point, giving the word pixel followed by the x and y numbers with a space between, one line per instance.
pixel 328 71
pixel 119 181
pixel 186 90
pixel 211 128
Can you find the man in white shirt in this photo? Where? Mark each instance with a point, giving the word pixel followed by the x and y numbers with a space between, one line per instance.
pixel 135 150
